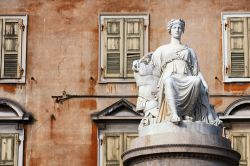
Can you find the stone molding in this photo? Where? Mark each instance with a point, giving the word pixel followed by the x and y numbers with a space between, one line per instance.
pixel 191 151
pixel 189 143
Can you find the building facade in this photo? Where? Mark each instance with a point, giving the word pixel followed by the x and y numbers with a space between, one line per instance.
pixel 67 89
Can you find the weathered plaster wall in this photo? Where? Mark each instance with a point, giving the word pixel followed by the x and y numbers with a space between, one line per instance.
pixel 62 54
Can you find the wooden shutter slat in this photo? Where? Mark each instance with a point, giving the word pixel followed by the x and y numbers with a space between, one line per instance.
pixel 134 37
pixel 1 49
pixel 11 53
pixel 128 138
pixel 113 63
pixel 237 42
pixel 240 144
pixel 112 149
pixel 130 59
pixel 9 149
pixel 113 49
pixel 237 64
pixel 10 65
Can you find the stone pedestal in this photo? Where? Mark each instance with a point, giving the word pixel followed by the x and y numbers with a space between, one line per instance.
pixel 186 144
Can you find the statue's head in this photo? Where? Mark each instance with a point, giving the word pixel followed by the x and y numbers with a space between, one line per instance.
pixel 176 22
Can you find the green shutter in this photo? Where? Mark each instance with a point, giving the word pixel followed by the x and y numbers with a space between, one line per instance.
pixel 238 47
pixel 113 47
pixel 133 43
pixel 11 51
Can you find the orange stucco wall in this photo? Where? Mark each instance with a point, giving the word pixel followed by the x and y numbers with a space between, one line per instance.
pixel 62 55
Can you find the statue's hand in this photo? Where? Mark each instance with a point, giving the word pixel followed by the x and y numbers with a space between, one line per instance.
pixel 206 88
pixel 135 66
pixel 203 82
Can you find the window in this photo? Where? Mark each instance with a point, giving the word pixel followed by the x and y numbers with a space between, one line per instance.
pixel 123 39
pixel 117 127
pixel 12 118
pixel 236 39
pixel 13 31
pixel 241 143
pixel 114 144
pixel 236 122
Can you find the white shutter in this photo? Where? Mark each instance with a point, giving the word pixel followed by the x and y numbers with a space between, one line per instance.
pixel 238 47
pixel 1 45
pixel 113 47
pixel 114 145
pixel 9 149
pixel 112 149
pixel 11 51
pixel 127 139
pixel 134 38
pixel 240 143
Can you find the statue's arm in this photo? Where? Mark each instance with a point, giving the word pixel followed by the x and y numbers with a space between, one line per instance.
pixel 203 81
pixel 156 62
pixel 196 70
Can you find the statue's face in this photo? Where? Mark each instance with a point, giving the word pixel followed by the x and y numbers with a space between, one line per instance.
pixel 176 31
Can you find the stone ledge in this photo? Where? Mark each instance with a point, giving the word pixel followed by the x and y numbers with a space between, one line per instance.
pixel 179 152
pixel 190 143
pixel 184 126
pixel 181 138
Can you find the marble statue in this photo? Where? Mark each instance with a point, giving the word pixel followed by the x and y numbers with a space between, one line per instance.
pixel 147 82
pixel 171 86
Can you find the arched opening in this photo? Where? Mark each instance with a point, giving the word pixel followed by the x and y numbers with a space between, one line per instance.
pixel 117 127
pixel 236 120
pixel 12 116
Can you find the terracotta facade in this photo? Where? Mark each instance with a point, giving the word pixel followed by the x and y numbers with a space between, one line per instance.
pixel 63 55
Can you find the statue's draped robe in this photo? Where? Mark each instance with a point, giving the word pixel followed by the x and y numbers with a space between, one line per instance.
pixel 181 66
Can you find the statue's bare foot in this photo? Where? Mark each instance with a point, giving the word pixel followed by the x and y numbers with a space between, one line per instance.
pixel 188 118
pixel 217 122
pixel 175 119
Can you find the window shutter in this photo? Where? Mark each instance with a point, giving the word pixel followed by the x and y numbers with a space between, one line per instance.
pixel 114 145
pixel 1 48
pixel 11 51
pixel 113 47
pixel 133 43
pixel 240 143
pixel 238 47
pixel 9 149
pixel 128 138
pixel 112 149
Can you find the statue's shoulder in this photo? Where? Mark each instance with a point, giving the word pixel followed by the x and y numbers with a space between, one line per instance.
pixel 165 46
pixel 161 49
pixel 187 47
pixel 191 50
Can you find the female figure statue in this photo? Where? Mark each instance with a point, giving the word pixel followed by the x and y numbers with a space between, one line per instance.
pixel 183 92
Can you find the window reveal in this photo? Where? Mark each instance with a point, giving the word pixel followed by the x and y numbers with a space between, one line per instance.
pixel 13 49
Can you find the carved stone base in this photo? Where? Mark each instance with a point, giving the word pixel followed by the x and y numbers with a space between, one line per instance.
pixel 190 143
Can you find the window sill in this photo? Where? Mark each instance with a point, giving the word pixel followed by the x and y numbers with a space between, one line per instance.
pixel 116 80
pixel 12 80
pixel 228 79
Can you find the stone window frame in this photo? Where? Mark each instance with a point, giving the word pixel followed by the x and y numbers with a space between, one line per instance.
pixel 120 120
pixel 225 47
pixel 102 16
pixel 14 129
pixel 21 51
pixel 236 126
pixel 12 120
